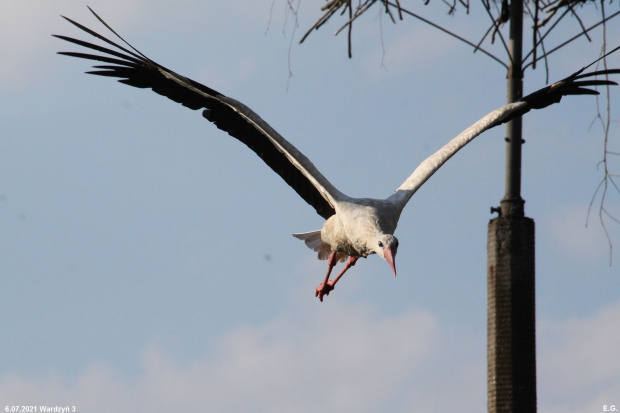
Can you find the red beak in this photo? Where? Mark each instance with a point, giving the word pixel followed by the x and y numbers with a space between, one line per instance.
pixel 389 257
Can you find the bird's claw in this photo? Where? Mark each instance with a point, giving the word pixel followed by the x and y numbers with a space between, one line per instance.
pixel 324 289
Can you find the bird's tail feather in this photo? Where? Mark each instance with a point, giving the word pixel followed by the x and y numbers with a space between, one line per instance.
pixel 313 240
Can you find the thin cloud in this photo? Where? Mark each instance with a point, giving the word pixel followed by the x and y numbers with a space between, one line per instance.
pixel 578 362
pixel 355 361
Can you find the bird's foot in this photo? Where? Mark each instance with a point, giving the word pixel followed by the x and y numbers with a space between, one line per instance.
pixel 324 289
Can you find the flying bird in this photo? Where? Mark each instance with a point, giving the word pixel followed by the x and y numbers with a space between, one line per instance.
pixel 354 227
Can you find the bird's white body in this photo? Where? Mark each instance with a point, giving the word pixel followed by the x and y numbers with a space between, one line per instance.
pixel 355 223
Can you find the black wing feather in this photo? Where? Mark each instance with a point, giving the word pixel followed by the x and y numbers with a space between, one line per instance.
pixel 135 69
pixel 572 85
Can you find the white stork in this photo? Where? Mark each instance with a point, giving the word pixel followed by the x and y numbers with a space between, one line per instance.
pixel 354 227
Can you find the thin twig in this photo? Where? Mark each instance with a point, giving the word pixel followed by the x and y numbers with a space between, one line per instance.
pixel 573 38
pixel 456 36
pixel 607 179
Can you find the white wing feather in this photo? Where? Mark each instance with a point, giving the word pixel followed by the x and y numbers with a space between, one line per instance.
pixel 431 164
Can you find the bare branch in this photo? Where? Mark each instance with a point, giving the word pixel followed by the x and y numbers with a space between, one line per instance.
pixel 503 17
pixel 608 178
pixel 572 38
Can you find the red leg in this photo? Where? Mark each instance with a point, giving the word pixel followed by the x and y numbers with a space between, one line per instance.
pixel 328 285
pixel 350 263
pixel 320 290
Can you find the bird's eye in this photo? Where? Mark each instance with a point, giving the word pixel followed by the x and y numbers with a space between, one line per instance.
pixel 380 244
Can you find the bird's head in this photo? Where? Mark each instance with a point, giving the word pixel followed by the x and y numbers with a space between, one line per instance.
pixel 386 247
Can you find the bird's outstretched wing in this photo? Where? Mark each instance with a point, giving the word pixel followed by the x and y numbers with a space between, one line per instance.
pixel 576 84
pixel 135 69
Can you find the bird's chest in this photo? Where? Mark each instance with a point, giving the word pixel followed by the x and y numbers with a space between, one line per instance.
pixel 348 236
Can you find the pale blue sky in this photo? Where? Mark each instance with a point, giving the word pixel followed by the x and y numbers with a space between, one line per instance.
pixel 146 257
